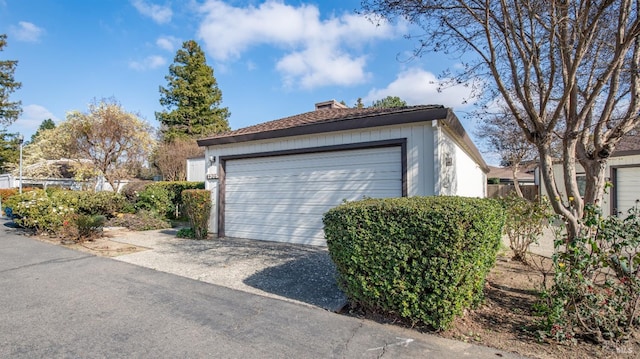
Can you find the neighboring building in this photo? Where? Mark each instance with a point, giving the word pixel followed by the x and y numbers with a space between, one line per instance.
pixel 196 169
pixel 622 171
pixel 275 180
pixel 505 184
pixel 505 175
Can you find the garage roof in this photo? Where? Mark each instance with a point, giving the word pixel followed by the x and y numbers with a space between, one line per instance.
pixel 341 119
pixel 628 145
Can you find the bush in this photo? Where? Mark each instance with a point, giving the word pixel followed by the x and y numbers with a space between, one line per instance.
pixel 163 198
pixel 155 199
pixel 424 259
pixel 596 288
pixel 131 189
pixel 186 233
pixel 197 204
pixel 104 203
pixel 81 227
pixel 45 211
pixel 35 210
pixel 525 223
pixel 141 221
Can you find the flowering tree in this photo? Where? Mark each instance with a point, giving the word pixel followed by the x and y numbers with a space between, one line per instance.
pixel 115 141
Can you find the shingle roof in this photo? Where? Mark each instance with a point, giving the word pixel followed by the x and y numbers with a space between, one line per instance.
pixel 342 119
pixel 506 173
pixel 321 116
pixel 629 144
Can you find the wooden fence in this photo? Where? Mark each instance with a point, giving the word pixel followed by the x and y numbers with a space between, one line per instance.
pixel 501 190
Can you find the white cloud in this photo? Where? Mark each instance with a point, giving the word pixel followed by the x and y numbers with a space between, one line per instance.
pixel 149 63
pixel 158 13
pixel 30 119
pixel 318 51
pixel 320 66
pixel 168 43
pixel 26 31
pixel 419 87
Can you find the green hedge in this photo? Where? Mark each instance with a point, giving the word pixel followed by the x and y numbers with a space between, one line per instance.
pixel 197 204
pixel 424 259
pixel 162 198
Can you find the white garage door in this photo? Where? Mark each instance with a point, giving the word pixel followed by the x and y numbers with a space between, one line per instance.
pixel 628 188
pixel 283 198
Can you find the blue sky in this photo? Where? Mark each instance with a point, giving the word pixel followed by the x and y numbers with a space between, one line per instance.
pixel 272 59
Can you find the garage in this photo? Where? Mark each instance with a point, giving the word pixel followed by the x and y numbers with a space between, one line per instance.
pixel 283 198
pixel 275 180
pixel 627 187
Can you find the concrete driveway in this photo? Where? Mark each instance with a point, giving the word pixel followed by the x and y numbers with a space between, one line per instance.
pixel 297 273
pixel 59 303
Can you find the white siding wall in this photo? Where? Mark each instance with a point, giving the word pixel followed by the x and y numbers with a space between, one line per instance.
pixel 458 174
pixel 606 200
pixel 6 181
pixel 419 137
pixel 196 169
pixel 423 160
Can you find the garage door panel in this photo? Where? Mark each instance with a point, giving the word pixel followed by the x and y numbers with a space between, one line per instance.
pixel 323 176
pixel 311 162
pixel 348 182
pixel 309 237
pixel 330 189
pixel 283 198
pixel 628 188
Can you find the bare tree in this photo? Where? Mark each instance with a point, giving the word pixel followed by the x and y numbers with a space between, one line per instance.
pixel 570 67
pixel 171 157
pixel 503 136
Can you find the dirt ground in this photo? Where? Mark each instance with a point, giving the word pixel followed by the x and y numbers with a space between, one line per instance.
pixel 103 246
pixel 506 320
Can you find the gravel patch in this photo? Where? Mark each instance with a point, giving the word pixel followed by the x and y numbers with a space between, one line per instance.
pixel 298 273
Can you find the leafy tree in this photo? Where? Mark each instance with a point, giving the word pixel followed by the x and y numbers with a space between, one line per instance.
pixel 503 136
pixel 116 142
pixel 359 103
pixel 9 111
pixel 47 124
pixel 192 98
pixel 389 102
pixel 565 67
pixel 9 151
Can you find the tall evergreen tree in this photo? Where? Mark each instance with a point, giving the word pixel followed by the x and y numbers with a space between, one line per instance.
pixel 9 151
pixel 389 102
pixel 192 97
pixel 47 124
pixel 9 111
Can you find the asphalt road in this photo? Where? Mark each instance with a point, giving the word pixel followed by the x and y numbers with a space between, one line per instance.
pixel 59 303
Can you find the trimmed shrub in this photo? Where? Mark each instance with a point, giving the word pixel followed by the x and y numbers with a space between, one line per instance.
pixel 197 204
pixel 424 259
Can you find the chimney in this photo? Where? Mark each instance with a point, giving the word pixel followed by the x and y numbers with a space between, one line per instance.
pixel 329 105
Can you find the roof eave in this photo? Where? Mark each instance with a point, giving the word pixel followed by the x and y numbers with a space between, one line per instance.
pixel 350 123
